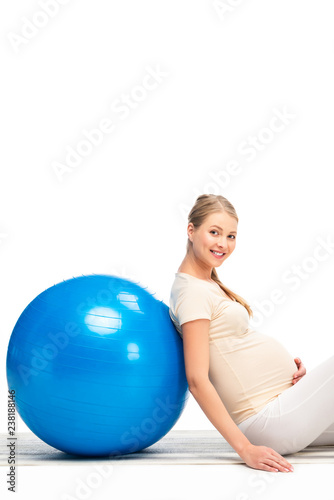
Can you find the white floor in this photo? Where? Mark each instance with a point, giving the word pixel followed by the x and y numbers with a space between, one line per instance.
pixel 227 482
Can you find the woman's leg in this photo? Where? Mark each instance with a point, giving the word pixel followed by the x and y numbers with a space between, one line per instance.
pixel 301 416
pixel 327 437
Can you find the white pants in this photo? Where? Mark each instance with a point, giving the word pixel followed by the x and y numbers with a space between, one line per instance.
pixel 300 416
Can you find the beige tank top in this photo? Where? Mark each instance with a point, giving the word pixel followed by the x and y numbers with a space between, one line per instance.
pixel 247 368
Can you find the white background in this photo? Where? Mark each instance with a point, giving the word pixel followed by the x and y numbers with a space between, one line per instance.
pixel 123 209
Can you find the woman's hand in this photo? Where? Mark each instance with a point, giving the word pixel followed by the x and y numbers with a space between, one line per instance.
pixel 264 458
pixel 300 372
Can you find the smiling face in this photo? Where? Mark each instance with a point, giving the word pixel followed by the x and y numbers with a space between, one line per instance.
pixel 213 241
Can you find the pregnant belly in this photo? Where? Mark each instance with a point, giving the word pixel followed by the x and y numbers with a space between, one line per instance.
pixel 250 369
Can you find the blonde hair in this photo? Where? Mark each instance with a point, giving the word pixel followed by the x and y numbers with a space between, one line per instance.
pixel 205 205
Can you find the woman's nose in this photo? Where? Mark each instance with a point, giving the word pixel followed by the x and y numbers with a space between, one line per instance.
pixel 223 242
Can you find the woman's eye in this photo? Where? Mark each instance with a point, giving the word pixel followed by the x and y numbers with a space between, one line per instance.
pixel 230 236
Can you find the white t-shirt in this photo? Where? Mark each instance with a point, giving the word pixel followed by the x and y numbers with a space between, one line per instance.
pixel 247 368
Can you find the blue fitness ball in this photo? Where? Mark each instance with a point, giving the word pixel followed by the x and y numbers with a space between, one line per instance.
pixel 97 367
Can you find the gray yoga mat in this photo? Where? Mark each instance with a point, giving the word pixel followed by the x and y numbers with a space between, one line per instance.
pixel 184 447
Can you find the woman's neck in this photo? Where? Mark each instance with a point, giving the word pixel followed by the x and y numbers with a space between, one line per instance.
pixel 189 267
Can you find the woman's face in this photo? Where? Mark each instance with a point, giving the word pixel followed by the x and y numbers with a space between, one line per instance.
pixel 214 241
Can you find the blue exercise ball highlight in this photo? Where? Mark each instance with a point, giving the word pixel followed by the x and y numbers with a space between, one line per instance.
pixel 97 367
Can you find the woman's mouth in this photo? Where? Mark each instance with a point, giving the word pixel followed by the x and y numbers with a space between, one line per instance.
pixel 218 255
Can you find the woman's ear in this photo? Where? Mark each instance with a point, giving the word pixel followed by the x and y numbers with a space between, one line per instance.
pixel 190 230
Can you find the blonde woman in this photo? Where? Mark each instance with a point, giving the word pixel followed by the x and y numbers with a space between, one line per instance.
pixel 244 381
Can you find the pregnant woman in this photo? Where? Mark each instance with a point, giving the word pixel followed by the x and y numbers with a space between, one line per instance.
pixel 244 380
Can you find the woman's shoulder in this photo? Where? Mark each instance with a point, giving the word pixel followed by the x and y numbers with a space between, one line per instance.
pixel 185 284
pixel 184 279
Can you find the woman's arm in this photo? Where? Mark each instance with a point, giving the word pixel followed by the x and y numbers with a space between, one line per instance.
pixel 196 356
pixel 208 399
